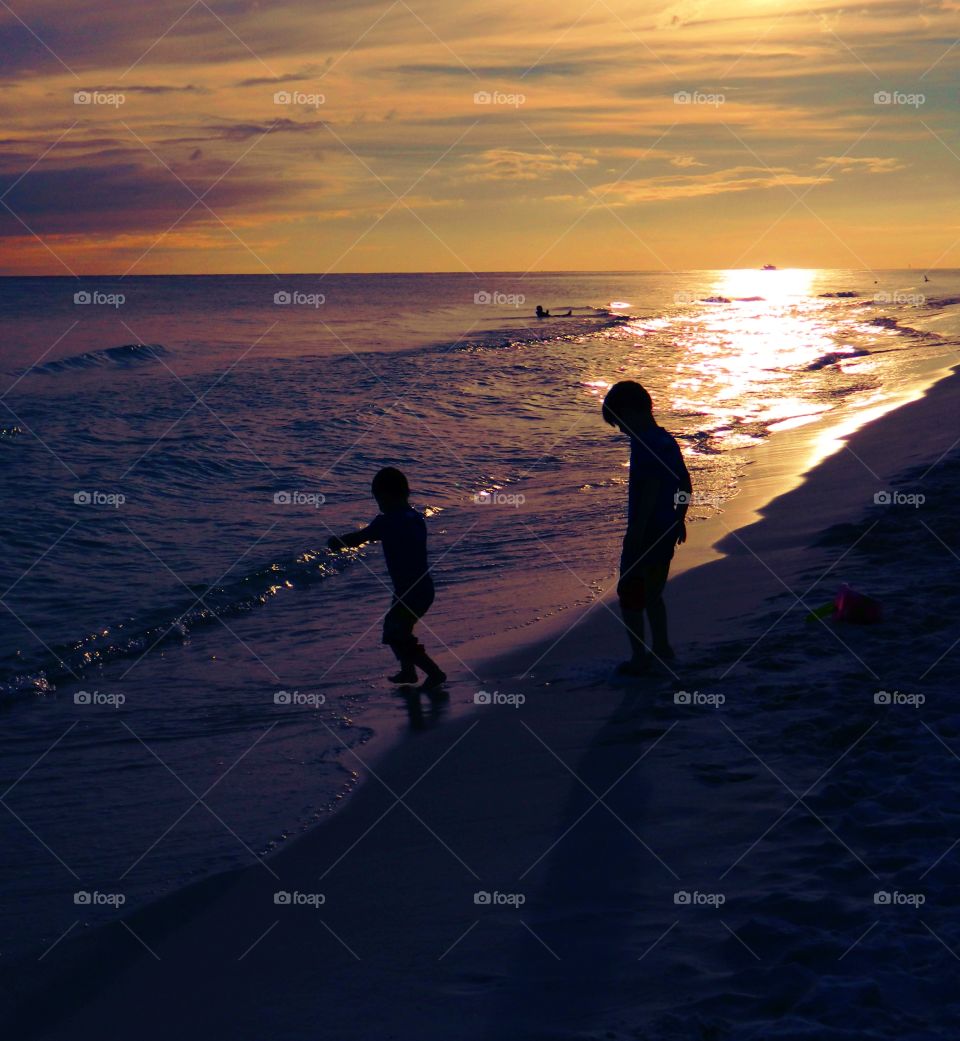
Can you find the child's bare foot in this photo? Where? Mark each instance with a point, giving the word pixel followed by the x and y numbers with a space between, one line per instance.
pixel 407 674
pixel 434 680
pixel 634 667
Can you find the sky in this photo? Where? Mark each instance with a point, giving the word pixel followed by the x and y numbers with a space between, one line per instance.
pixel 460 135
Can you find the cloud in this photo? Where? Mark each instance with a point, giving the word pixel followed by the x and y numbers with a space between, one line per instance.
pixel 685 160
pixel 171 33
pixel 245 131
pixel 132 197
pixel 508 73
pixel 718 182
pixel 377 211
pixel 506 164
pixel 287 77
pixel 146 88
pixel 869 163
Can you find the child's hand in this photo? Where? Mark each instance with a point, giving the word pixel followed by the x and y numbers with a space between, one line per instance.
pixel 335 542
pixel 681 532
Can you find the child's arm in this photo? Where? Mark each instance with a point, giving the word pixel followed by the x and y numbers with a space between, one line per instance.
pixel 683 502
pixel 353 538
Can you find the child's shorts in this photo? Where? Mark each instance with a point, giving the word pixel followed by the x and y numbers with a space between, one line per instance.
pixel 643 572
pixel 404 614
pixel 635 592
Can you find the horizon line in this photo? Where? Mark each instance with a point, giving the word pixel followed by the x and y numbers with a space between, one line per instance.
pixel 465 274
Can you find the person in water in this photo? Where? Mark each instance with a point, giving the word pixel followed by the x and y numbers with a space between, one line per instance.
pixel 403 532
pixel 541 313
pixel 657 501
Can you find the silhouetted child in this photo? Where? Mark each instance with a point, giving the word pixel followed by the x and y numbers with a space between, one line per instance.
pixel 657 502
pixel 403 533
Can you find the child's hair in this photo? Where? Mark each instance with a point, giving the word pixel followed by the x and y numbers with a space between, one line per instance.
pixel 390 483
pixel 625 396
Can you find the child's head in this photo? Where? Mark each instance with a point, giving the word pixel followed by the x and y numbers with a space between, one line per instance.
pixel 390 488
pixel 627 405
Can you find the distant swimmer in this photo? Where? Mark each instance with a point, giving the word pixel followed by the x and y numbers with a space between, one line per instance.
pixel 541 313
pixel 926 279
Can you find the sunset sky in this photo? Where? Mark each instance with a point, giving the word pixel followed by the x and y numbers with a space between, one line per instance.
pixel 146 139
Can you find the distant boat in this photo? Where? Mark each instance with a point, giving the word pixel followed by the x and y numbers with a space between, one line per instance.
pixel 769 267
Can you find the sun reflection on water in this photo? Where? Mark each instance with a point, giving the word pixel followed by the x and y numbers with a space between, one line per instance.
pixel 746 358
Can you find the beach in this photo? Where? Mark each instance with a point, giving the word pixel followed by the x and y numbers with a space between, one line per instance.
pixel 176 623
pixel 755 842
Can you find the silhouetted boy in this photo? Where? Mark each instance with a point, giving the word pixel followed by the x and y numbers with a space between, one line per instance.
pixel 403 533
pixel 656 520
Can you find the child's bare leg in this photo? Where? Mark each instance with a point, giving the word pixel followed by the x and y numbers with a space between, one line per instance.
pixel 435 675
pixel 657 611
pixel 398 633
pixel 407 673
pixel 631 595
pixel 633 623
pixel 398 636
pixel 639 660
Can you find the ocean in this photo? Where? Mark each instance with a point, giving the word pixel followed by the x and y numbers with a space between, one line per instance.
pixel 188 677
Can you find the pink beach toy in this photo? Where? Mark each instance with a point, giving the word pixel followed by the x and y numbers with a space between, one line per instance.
pixel 857 608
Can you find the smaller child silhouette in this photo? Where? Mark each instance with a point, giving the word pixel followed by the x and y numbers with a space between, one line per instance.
pixel 403 532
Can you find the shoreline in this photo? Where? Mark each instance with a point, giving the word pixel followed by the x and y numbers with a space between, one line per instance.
pixel 506 804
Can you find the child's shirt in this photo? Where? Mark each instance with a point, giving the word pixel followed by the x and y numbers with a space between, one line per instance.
pixel 403 533
pixel 655 456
